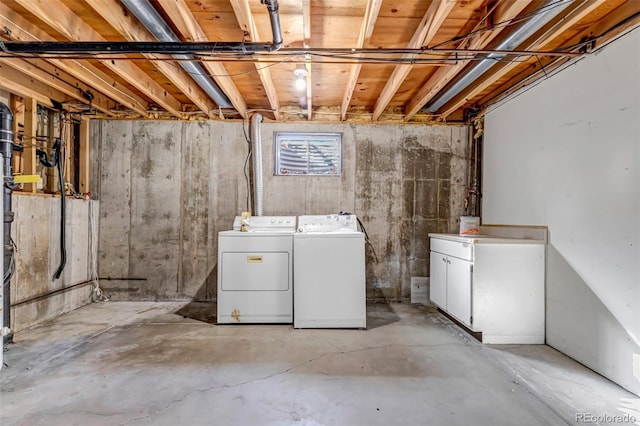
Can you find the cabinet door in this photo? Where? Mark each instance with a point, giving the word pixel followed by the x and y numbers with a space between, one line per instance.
pixel 459 289
pixel 438 280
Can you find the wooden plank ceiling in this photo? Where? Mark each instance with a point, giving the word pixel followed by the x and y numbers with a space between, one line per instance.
pixel 361 60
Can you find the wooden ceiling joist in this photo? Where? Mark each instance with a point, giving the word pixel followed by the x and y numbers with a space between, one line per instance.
pixel 20 84
pixel 306 27
pixel 189 27
pixel 505 11
pixel 65 22
pixel 61 81
pixel 30 131
pixel 540 42
pixel 22 30
pixel 154 85
pixel 525 78
pixel 245 19
pixel 132 30
pixel 370 16
pixel 429 26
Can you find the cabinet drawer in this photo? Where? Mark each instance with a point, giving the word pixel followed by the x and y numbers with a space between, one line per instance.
pixel 452 248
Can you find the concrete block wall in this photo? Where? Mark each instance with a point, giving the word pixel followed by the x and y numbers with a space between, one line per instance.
pixel 35 295
pixel 168 187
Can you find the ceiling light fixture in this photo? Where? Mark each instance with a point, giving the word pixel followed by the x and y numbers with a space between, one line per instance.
pixel 301 79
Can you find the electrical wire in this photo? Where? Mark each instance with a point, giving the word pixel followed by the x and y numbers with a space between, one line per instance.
pixel 98 295
pixel 339 56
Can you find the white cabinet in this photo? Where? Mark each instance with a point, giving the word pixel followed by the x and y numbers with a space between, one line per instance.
pixel 450 285
pixel 438 281
pixel 459 289
pixel 492 285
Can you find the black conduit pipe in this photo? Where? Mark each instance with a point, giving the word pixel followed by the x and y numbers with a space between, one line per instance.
pixel 183 48
pixel 56 161
pixel 6 149
pixel 63 246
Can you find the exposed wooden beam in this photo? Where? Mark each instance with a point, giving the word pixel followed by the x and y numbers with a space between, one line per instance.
pixel 85 143
pixel 540 42
pixel 60 80
pixel 368 23
pixel 306 22
pixel 132 30
pixel 245 19
pixel 29 159
pixel 429 26
pixel 16 104
pixel 602 25
pixel 306 27
pixel 18 83
pixel 52 129
pixel 505 11
pixel 23 30
pixel 65 22
pixel 189 27
pixel 307 66
pixel 571 18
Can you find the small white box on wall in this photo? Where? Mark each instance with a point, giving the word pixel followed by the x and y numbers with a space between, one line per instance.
pixel 469 225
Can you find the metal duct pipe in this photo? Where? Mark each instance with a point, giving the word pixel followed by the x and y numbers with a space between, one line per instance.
pixel 151 19
pixel 256 154
pixel 550 10
pixel 6 149
pixel 274 17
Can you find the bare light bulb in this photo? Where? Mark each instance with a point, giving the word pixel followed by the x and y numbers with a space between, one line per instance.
pixel 301 84
pixel 301 79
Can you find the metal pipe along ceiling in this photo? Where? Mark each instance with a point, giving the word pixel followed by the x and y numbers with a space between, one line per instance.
pixel 550 10
pixel 256 153
pixel 151 19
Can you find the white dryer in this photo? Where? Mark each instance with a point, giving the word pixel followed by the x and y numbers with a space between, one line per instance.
pixel 255 271
pixel 329 273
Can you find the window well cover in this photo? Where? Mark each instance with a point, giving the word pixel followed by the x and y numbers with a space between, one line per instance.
pixel 308 154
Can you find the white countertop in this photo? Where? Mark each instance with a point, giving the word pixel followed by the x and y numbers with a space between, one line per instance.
pixel 485 239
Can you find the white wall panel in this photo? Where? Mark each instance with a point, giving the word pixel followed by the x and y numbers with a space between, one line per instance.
pixel 566 154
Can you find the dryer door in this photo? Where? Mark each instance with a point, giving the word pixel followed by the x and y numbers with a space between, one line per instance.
pixel 255 271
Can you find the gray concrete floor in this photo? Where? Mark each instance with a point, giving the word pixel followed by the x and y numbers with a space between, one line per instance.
pixel 149 363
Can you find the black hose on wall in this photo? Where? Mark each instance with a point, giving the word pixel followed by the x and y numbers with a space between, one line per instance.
pixel 6 149
pixel 56 161
pixel 63 245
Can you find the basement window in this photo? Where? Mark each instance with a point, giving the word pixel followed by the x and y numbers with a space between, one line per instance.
pixel 309 154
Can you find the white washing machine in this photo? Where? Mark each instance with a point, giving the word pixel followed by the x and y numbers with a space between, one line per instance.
pixel 255 271
pixel 329 273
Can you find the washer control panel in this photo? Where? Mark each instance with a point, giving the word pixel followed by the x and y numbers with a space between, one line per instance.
pixel 328 223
